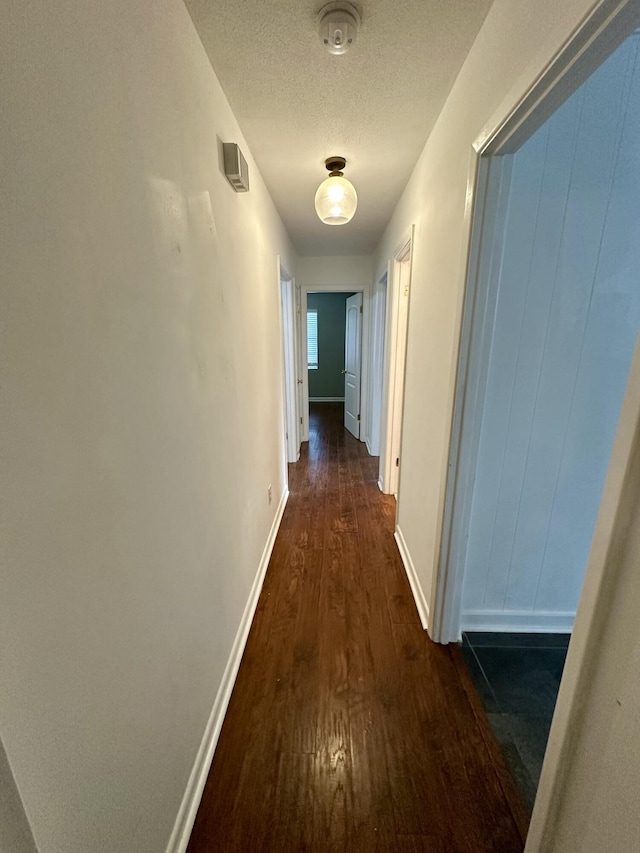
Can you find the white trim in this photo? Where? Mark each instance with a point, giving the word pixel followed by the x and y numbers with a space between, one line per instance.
pixel 198 777
pixel 483 265
pixel 402 251
pixel 380 485
pixel 289 366
pixel 368 446
pixel 326 399
pixel 603 29
pixel 414 583
pixel 518 621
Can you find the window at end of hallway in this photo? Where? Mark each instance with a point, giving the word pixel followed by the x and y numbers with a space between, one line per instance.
pixel 312 340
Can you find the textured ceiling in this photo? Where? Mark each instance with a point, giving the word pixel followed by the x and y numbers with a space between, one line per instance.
pixel 298 104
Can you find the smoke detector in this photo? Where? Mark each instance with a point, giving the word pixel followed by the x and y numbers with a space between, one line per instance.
pixel 338 25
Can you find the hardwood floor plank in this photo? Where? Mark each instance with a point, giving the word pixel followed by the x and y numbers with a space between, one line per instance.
pixel 291 826
pixel 512 795
pixel 449 734
pixel 348 730
pixel 422 844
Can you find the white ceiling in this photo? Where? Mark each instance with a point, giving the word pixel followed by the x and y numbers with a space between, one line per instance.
pixel 298 104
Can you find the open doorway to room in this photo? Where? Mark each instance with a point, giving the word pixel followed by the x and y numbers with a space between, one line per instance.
pixel 377 348
pixel 290 357
pixel 326 338
pixel 551 322
pixel 335 340
pixel 291 362
pixel 378 353
pixel 394 300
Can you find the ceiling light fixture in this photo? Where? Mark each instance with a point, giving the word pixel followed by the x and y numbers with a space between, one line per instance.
pixel 336 198
pixel 338 25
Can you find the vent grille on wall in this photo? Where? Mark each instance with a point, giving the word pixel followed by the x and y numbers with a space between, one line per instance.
pixel 235 167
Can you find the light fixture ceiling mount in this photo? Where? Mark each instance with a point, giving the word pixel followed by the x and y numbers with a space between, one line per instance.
pixel 335 165
pixel 336 199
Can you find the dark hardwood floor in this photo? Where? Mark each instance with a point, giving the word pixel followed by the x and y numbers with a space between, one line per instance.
pixel 348 729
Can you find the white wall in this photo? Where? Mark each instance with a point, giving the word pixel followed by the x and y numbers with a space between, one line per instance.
pixel 348 271
pixel 15 832
pixel 566 320
pixel 515 44
pixel 141 412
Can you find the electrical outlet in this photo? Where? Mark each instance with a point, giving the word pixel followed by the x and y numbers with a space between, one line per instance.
pixel 269 492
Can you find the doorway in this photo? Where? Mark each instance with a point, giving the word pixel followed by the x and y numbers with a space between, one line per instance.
pixel 326 328
pixel 552 332
pixel 290 365
pixel 323 336
pixel 552 319
pixel 378 325
pixel 396 301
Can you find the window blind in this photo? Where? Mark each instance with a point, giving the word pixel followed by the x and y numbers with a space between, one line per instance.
pixel 312 340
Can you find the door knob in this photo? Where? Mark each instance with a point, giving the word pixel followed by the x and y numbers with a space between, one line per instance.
pixel 344 371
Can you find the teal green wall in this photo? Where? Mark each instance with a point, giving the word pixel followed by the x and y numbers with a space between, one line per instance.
pixel 327 380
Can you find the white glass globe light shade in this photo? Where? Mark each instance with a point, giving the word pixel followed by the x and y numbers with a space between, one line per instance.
pixel 336 201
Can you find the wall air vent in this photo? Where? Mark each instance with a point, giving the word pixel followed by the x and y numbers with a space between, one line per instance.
pixel 235 167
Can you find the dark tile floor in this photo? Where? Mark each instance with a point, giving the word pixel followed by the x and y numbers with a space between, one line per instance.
pixel 517 677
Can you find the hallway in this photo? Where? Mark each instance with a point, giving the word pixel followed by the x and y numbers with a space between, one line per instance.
pixel 348 730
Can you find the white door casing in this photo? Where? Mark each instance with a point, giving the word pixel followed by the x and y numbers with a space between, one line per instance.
pixel 352 363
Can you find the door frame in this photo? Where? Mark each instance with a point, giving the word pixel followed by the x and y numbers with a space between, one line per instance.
pixel 395 350
pixel 290 362
pixel 379 302
pixel 487 241
pixel 608 25
pixel 600 33
pixel 364 372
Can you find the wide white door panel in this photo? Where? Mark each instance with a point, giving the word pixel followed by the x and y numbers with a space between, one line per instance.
pixel 352 358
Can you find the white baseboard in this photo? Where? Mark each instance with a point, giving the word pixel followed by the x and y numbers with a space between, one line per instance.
pixel 195 786
pixel 380 485
pixel 519 621
pixel 414 583
pixel 326 399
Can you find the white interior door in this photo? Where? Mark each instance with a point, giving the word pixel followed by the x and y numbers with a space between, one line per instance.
pixel 404 276
pixel 395 345
pixel 377 361
pixel 352 364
